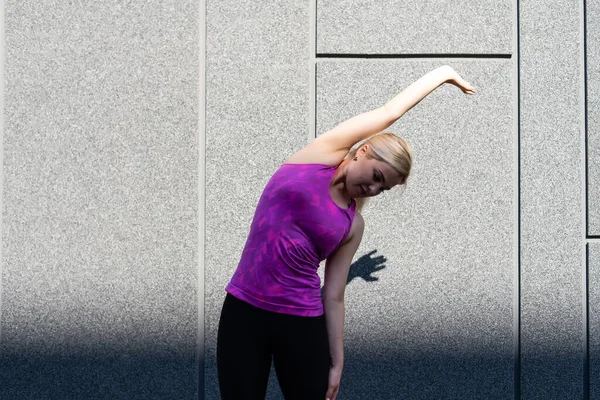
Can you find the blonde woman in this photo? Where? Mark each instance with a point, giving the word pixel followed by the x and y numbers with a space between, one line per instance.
pixel 310 211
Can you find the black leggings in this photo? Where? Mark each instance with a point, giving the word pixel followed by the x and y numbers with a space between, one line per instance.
pixel 248 337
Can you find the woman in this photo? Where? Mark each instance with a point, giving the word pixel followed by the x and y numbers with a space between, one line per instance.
pixel 310 211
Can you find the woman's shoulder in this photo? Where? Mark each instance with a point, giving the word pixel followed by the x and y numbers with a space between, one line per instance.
pixel 306 165
pixel 310 155
pixel 299 170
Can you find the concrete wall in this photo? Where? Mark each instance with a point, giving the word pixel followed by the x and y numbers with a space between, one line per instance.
pixel 592 109
pixel 100 200
pixel 138 136
pixel 552 236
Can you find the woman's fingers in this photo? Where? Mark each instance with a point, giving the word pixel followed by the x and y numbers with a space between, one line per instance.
pixel 334 383
pixel 332 392
pixel 468 89
pixel 465 86
pixel 329 395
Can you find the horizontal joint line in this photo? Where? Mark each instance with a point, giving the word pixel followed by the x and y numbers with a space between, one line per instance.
pixel 402 56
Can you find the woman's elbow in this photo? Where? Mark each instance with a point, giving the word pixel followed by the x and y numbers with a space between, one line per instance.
pixel 333 296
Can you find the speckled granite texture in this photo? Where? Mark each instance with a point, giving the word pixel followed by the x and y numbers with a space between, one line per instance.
pixel 593 136
pixel 552 210
pixel 594 319
pixel 415 27
pixel 99 268
pixel 593 133
pixel 439 320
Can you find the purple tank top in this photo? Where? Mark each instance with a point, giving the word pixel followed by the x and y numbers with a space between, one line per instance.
pixel 296 226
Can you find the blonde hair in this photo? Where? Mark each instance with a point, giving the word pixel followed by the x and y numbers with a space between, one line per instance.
pixel 391 149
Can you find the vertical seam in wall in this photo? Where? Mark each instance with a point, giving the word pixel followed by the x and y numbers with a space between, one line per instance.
pixel 2 91
pixel 201 199
pixel 517 139
pixel 585 280
pixel 312 92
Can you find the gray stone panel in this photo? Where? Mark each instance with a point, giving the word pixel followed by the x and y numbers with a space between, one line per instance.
pixel 257 115
pixel 437 320
pixel 100 231
pixel 551 207
pixel 593 104
pixel 415 27
pixel 594 318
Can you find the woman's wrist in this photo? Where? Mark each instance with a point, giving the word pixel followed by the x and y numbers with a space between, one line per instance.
pixel 447 73
pixel 337 364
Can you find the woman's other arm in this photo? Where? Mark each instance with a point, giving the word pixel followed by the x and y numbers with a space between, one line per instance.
pixel 337 267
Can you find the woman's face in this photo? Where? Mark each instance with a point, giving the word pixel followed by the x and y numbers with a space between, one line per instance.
pixel 368 177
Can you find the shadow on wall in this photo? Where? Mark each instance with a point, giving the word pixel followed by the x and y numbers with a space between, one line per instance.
pixel 99 376
pixel 114 375
pixel 364 268
pixel 371 372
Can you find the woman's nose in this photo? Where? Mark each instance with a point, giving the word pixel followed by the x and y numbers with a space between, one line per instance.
pixel 374 189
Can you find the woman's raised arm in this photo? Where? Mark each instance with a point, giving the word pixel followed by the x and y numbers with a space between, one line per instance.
pixel 345 135
pixel 416 92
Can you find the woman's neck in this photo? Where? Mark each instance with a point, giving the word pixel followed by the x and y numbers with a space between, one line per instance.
pixel 339 180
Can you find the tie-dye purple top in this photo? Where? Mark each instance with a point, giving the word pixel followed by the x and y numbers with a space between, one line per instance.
pixel 296 226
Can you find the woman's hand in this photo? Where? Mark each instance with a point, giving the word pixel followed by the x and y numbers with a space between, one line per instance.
pixel 335 374
pixel 457 80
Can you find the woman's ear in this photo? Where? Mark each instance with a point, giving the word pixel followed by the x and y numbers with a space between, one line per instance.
pixel 363 149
